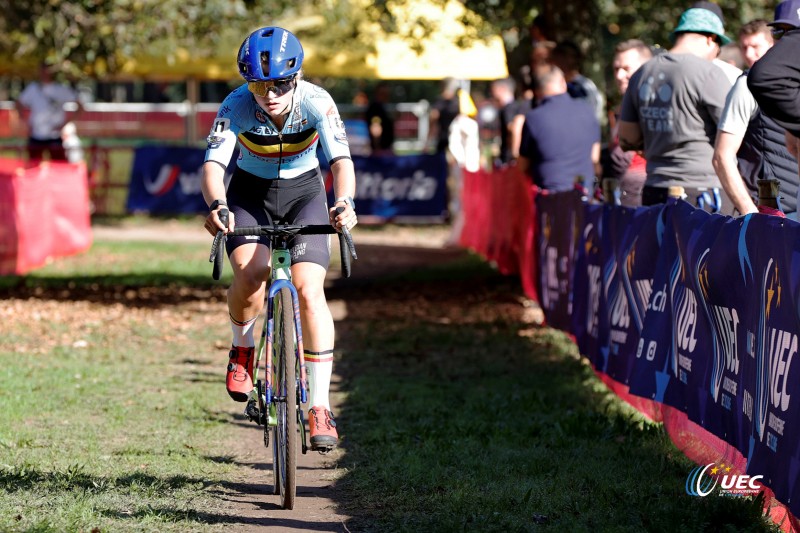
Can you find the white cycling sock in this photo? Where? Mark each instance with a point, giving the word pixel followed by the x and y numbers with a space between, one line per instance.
pixel 319 367
pixel 243 332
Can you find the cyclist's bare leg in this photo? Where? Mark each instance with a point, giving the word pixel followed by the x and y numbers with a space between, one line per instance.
pixel 318 334
pixel 245 299
pixel 318 337
pixel 250 263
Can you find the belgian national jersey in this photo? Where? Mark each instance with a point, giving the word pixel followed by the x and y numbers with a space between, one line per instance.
pixel 271 154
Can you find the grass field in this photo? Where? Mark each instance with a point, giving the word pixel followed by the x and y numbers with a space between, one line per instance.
pixel 109 415
pixel 462 416
pixel 459 413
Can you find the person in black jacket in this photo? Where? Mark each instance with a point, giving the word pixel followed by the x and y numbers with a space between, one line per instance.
pixel 774 80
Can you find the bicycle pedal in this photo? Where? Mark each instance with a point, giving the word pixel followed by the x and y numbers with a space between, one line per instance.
pixel 251 411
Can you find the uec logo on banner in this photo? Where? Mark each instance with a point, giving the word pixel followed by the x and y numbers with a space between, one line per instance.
pixel 700 483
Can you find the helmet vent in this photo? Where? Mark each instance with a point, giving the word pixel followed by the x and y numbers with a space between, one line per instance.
pixel 265 63
pixel 291 63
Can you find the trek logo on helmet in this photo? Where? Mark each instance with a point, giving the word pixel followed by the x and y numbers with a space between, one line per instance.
pixel 284 40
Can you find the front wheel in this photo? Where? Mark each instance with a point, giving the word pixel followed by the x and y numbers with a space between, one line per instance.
pixel 285 432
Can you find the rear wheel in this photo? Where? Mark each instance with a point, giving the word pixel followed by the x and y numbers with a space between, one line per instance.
pixel 285 442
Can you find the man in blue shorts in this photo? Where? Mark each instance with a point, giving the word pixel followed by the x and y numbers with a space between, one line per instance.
pixel 278 119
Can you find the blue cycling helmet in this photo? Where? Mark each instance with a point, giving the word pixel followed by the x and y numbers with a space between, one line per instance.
pixel 270 53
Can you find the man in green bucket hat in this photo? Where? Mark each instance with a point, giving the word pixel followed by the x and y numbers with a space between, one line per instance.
pixel 702 21
pixel 671 109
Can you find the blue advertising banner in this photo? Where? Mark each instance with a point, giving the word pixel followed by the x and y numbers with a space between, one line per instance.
pixel 727 287
pixel 560 222
pixel 589 315
pixel 699 313
pixel 703 328
pixel 166 180
pixel 399 188
pixel 637 252
pixel 668 340
pixel 625 228
pixel 772 379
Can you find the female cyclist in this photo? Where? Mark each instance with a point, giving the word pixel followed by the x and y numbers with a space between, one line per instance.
pixel 278 119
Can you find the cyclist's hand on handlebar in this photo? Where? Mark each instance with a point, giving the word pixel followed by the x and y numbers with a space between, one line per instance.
pixel 213 223
pixel 345 219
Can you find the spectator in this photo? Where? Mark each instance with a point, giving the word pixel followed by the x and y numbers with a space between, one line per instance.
pixel 567 56
pixel 750 145
pixel 380 121
pixel 464 134
pixel 540 56
pixel 731 70
pixel 464 147
pixel 443 111
pixel 671 110
pixel 503 93
pixel 732 54
pixel 775 79
pixel 560 137
pixel 45 100
pixel 628 167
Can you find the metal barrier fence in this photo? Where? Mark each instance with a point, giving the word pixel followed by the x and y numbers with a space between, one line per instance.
pixel 111 131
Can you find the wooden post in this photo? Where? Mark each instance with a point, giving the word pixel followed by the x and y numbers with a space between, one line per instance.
pixel 769 193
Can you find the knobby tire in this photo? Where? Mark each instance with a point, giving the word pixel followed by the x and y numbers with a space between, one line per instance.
pixel 285 442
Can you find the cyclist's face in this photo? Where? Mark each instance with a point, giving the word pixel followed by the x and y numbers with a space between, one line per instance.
pixel 275 105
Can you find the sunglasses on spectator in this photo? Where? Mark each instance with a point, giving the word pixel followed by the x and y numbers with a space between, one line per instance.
pixel 778 32
pixel 279 87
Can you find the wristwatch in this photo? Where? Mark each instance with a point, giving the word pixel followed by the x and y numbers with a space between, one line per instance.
pixel 216 203
pixel 346 199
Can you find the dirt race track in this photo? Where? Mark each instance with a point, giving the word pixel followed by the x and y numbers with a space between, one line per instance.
pixel 315 508
pixel 250 504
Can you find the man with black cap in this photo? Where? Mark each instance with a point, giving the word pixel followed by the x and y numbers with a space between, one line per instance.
pixel 750 145
pixel 671 110
pixel 775 79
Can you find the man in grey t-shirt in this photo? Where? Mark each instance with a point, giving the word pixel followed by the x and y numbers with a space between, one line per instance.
pixel 671 110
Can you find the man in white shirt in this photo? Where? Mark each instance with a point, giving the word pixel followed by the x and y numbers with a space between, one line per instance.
pixel 45 101
pixel 749 145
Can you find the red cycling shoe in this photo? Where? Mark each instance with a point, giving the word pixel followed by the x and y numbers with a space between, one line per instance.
pixel 239 381
pixel 322 427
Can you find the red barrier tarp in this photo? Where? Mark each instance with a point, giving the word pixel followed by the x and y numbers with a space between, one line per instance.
pixel 45 213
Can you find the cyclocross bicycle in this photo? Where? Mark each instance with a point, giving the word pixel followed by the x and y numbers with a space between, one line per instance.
pixel 275 402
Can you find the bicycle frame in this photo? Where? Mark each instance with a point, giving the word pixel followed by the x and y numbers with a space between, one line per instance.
pixel 280 277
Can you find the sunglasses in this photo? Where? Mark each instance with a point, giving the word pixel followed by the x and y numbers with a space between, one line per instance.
pixel 279 87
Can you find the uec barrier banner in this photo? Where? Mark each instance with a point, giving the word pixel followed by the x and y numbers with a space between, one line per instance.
pixel 691 317
pixel 711 305
pixel 166 180
pixel 560 217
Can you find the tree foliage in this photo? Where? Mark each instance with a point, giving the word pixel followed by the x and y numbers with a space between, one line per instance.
pixel 92 37
pixel 598 25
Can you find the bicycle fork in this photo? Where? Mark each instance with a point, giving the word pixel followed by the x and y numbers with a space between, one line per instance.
pixel 261 404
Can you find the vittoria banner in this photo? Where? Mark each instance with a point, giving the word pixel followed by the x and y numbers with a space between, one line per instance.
pixel 166 180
